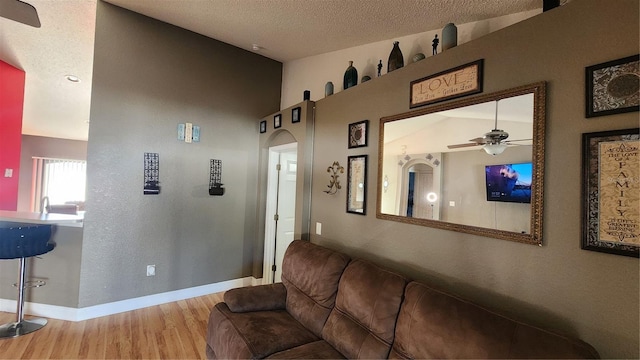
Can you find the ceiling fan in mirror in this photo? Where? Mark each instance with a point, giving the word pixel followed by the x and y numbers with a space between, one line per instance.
pixel 19 11
pixel 494 142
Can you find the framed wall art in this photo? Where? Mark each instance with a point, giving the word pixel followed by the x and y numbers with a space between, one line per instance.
pixel 450 84
pixel 358 134
pixel 613 87
pixel 295 115
pixel 277 121
pixel 611 192
pixel 357 184
pixel 263 126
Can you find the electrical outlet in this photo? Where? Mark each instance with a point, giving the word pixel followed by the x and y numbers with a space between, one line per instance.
pixel 151 270
pixel 318 228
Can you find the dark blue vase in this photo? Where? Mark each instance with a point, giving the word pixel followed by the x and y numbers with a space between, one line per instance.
pixel 350 77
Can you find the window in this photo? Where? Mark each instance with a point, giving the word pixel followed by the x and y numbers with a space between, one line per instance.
pixel 61 180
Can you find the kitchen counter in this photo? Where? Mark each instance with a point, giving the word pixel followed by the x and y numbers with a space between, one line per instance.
pixel 60 268
pixel 26 217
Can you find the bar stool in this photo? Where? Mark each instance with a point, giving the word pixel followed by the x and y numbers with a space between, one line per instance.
pixel 21 242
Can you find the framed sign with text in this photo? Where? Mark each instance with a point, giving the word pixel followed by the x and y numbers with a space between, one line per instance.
pixel 611 192
pixel 450 84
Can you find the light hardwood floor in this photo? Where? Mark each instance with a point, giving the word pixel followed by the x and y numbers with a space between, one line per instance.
pixel 170 331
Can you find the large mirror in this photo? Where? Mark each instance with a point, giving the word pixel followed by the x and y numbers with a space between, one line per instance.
pixel 474 165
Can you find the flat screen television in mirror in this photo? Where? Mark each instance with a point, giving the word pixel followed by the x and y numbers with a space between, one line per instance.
pixel 509 182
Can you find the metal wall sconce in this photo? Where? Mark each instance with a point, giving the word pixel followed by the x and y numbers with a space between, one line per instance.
pixel 215 178
pixel 334 183
pixel 151 174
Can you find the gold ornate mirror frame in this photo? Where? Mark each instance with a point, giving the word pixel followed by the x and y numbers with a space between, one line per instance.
pixel 534 236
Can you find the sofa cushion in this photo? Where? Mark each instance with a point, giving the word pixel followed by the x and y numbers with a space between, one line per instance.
pixel 311 274
pixel 433 324
pixel 253 335
pixel 257 298
pixel 315 350
pixel 362 323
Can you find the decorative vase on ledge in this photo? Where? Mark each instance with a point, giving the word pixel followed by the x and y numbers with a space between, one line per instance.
pixel 350 77
pixel 449 36
pixel 396 60
pixel 328 89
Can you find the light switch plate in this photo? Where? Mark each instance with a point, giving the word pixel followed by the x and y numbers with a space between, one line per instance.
pixel 8 173
pixel 318 228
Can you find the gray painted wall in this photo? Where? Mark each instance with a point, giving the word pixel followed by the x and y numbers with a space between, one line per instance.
pixel 43 147
pixel 148 77
pixel 587 294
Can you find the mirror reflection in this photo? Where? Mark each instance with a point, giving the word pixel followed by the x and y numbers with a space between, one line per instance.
pixel 467 165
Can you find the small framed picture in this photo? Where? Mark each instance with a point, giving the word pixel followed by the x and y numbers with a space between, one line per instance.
pixel 358 133
pixel 263 126
pixel 357 184
pixel 277 121
pixel 613 87
pixel 295 115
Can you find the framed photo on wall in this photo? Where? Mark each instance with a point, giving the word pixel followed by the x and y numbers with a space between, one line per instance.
pixel 611 192
pixel 295 115
pixel 357 184
pixel 358 134
pixel 613 87
pixel 277 121
pixel 263 126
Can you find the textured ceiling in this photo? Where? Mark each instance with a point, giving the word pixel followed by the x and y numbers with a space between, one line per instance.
pixel 293 29
pixel 284 29
pixel 63 45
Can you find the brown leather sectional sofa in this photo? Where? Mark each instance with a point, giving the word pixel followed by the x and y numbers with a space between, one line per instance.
pixel 329 306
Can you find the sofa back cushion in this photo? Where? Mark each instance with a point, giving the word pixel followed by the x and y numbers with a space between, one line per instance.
pixel 362 323
pixel 311 274
pixel 433 324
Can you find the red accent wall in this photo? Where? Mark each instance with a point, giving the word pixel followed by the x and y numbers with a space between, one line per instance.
pixel 11 102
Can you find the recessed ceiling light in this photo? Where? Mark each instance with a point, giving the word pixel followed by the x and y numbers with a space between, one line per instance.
pixel 256 47
pixel 72 78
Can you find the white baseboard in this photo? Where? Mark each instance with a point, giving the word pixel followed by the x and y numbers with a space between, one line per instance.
pixel 91 312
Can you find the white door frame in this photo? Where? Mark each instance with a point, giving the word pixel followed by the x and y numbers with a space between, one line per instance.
pixel 272 207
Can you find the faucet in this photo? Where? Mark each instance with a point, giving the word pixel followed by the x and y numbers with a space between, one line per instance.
pixel 42 204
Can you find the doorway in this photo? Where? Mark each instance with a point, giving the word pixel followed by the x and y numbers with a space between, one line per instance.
pixel 280 212
pixel 418 191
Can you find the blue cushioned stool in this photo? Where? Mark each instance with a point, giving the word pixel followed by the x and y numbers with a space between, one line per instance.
pixel 21 242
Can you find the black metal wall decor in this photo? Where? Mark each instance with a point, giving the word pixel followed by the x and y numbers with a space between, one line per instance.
pixel 334 183
pixel 215 178
pixel 151 174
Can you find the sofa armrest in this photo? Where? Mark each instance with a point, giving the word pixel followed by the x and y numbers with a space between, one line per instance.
pixel 257 298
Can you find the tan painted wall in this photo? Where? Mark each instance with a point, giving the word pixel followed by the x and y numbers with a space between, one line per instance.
pixel 313 72
pixel 587 294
